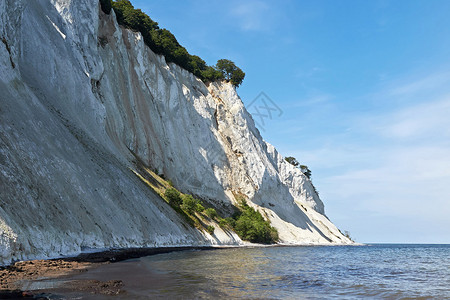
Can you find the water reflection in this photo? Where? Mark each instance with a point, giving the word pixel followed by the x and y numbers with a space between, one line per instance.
pixel 305 272
pixel 227 273
pixel 380 271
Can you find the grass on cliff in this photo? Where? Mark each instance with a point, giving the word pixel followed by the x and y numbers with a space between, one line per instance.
pixel 190 208
pixel 247 222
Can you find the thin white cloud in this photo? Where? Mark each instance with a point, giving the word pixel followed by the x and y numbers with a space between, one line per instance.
pixel 318 99
pixel 395 166
pixel 421 85
pixel 309 73
pixel 426 120
pixel 253 15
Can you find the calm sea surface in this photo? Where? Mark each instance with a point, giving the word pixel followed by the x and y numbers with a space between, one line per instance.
pixel 347 272
pixel 339 272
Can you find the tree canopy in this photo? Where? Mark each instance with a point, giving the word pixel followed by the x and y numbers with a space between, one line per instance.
pixel 230 71
pixel 162 41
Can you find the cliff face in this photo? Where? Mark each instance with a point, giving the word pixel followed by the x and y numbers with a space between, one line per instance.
pixel 80 98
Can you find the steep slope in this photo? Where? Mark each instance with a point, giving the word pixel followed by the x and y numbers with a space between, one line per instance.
pixel 81 96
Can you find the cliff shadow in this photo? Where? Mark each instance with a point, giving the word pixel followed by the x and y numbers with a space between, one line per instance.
pixel 285 206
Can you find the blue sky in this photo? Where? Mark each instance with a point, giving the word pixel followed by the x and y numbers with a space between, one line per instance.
pixel 364 87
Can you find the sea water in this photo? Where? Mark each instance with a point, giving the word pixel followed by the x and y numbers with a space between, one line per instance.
pixel 383 271
pixel 380 271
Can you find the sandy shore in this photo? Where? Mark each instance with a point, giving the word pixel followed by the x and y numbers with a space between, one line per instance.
pixel 20 280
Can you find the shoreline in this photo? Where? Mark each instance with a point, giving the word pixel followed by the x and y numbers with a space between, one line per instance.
pixel 13 276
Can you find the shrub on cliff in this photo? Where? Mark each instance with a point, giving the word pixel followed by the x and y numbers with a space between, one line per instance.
pixel 251 226
pixel 211 212
pixel 199 207
pixel 306 171
pixel 190 204
pixel 173 196
pixel 247 222
pixel 210 229
pixel 292 160
pixel 227 223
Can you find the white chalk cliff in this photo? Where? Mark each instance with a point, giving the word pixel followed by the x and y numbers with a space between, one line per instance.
pixel 80 97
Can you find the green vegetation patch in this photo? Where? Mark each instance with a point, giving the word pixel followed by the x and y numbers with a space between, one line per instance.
pixel 247 222
pixel 210 229
pixel 211 213
pixel 173 196
pixel 162 41
pixel 192 205
pixel 251 226
pixel 188 207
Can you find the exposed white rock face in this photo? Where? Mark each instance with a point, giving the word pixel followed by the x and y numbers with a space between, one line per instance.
pixel 78 97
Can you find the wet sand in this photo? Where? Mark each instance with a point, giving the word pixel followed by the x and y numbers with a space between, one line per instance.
pixel 87 274
pixel 15 276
